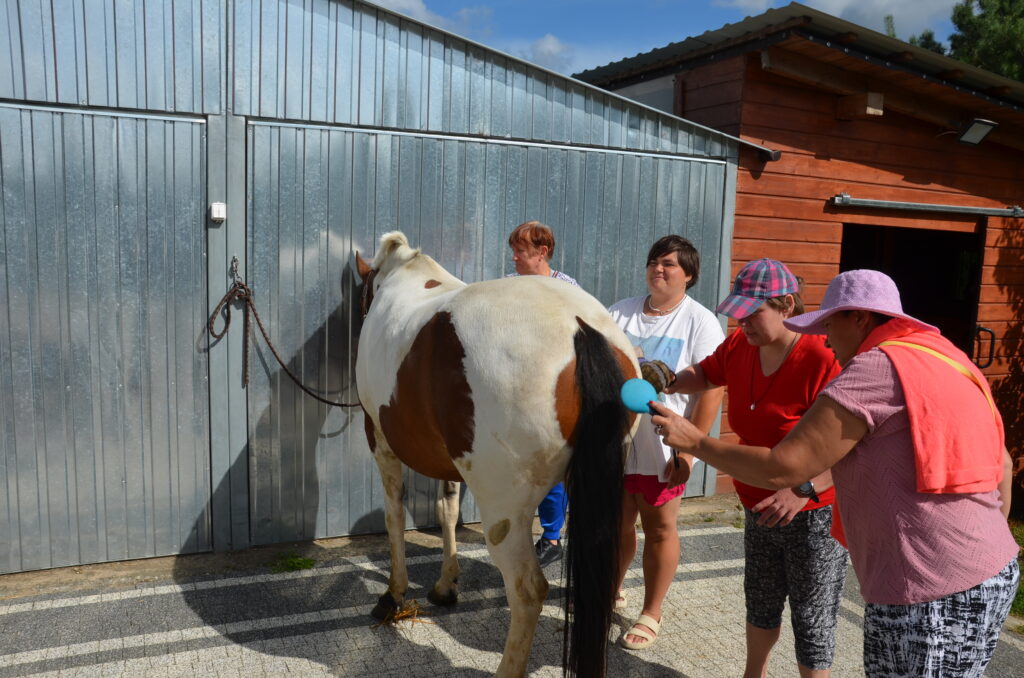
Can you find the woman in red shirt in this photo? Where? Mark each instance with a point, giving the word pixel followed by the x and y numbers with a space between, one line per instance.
pixel 772 375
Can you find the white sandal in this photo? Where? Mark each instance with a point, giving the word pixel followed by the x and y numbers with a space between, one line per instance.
pixel 620 601
pixel 634 630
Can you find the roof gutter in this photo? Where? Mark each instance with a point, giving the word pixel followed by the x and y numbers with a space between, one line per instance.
pixel 844 200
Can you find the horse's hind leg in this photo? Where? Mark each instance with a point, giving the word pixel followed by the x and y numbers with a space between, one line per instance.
pixel 511 547
pixel 394 515
pixel 445 591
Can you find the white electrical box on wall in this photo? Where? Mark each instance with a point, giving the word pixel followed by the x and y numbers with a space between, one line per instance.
pixel 218 212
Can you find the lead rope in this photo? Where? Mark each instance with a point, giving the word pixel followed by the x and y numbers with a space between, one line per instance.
pixel 240 292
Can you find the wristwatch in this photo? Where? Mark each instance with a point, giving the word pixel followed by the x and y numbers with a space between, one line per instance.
pixel 806 489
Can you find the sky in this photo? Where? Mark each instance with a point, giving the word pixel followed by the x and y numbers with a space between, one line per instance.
pixel 569 36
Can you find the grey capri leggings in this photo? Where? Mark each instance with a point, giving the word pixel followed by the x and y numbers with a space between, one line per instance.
pixel 803 562
pixel 952 637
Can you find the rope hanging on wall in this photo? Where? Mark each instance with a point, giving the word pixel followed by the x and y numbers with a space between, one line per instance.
pixel 241 293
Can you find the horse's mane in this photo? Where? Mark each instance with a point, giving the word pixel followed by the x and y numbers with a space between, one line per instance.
pixel 394 246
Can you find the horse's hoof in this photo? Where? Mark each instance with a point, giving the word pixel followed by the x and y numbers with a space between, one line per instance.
pixel 444 600
pixel 385 608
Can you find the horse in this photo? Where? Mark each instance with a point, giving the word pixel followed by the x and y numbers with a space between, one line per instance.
pixel 509 385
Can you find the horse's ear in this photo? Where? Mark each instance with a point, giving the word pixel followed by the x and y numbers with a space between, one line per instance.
pixel 362 267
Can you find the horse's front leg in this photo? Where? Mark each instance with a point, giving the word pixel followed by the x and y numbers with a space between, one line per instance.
pixel 445 591
pixel 394 516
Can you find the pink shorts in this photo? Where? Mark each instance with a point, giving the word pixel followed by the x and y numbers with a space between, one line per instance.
pixel 653 490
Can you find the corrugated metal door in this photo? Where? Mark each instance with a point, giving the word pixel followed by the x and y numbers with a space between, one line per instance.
pixel 318 193
pixel 104 436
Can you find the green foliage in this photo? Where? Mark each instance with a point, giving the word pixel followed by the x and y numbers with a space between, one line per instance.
pixel 890 26
pixel 1017 528
pixel 990 34
pixel 290 562
pixel 928 41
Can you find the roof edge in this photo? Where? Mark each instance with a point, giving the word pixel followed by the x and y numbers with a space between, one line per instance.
pixel 765 153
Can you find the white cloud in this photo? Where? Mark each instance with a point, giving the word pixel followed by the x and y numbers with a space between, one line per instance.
pixel 470 22
pixel 752 6
pixel 550 52
pixel 417 9
pixel 910 16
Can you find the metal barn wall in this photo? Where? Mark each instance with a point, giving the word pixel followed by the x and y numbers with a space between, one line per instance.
pixel 103 395
pixel 456 198
pixel 473 143
pixel 138 54
pixel 351 63
pixel 321 124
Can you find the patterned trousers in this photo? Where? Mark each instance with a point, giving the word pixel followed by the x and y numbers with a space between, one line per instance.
pixel 952 637
pixel 800 561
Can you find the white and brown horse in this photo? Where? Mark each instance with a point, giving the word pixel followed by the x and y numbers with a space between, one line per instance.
pixel 511 385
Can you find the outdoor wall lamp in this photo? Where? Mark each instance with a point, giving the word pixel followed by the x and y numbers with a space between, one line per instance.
pixel 976 130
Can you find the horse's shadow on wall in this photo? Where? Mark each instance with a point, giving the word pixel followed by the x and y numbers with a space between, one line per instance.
pixel 321 614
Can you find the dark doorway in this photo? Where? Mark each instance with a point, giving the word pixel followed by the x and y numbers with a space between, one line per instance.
pixel 938 272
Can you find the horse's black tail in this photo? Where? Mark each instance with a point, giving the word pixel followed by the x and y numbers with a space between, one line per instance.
pixel 594 484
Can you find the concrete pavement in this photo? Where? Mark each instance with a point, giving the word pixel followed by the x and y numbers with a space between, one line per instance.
pixel 229 615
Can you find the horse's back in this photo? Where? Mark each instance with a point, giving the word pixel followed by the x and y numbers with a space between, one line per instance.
pixel 529 319
pixel 519 339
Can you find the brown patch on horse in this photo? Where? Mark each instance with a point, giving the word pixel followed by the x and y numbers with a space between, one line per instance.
pixel 628 372
pixel 567 395
pixel 430 284
pixel 567 402
pixel 533 590
pixel 498 531
pixel 368 429
pixel 429 421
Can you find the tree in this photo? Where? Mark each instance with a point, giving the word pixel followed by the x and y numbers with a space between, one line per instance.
pixel 890 26
pixel 928 41
pixel 990 34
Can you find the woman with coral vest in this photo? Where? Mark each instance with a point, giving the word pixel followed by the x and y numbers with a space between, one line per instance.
pixel 922 477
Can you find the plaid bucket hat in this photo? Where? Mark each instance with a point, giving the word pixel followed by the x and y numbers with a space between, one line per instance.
pixel 858 290
pixel 759 280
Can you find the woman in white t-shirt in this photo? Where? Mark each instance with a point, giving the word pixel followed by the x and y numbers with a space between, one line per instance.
pixel 669 326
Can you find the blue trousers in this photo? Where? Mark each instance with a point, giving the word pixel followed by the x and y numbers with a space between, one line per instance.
pixel 552 512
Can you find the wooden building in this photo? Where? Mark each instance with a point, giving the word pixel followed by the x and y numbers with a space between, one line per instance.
pixel 873 169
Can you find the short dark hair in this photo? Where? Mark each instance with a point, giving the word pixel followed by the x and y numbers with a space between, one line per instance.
pixel 533 234
pixel 686 253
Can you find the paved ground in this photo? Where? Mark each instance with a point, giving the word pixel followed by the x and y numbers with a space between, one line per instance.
pixel 229 615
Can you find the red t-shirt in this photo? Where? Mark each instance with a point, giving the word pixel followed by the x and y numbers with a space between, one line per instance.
pixel 781 398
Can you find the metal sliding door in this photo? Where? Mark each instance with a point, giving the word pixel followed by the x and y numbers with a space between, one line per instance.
pixel 317 194
pixel 104 436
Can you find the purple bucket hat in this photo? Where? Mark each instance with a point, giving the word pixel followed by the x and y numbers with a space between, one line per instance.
pixel 860 290
pixel 759 280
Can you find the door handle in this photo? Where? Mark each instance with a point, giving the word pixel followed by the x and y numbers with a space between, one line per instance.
pixel 979 340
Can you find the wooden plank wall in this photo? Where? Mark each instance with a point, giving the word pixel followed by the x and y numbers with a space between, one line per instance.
pixel 781 208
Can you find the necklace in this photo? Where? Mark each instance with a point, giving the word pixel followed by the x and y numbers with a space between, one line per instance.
pixel 753 365
pixel 654 308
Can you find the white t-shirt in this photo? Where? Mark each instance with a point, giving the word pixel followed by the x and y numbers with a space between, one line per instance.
pixel 685 336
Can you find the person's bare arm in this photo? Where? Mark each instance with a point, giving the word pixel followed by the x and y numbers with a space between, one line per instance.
pixel 824 435
pixel 704 412
pixel 1006 484
pixel 690 380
